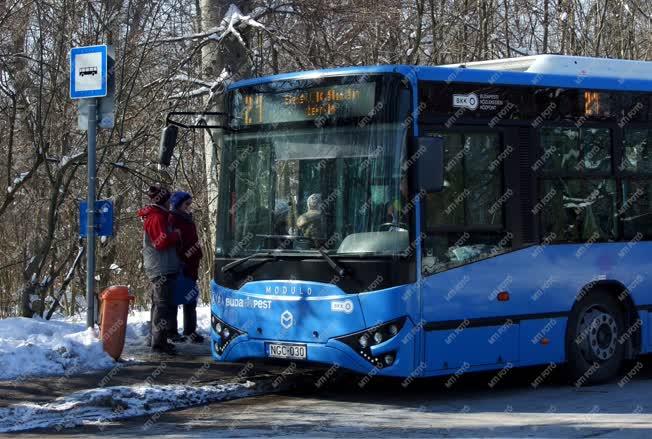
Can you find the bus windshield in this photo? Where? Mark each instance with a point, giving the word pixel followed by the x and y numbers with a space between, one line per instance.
pixel 332 182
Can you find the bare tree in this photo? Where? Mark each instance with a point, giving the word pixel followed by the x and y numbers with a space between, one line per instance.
pixel 180 55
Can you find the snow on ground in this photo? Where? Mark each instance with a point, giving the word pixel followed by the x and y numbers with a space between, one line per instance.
pixel 97 406
pixel 138 327
pixel 38 347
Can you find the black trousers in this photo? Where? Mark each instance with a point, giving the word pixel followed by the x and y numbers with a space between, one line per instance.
pixel 189 319
pixel 162 290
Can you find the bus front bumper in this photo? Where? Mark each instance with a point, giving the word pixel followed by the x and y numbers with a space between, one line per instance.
pixel 332 353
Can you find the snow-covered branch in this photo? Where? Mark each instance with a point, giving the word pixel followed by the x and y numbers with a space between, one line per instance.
pixel 216 87
pixel 231 24
pixel 182 78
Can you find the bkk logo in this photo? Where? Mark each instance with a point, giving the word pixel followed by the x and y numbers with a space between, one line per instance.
pixel 287 319
pixel 345 306
pixel 469 101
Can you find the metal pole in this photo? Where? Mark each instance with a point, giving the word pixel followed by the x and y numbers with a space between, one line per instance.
pixel 90 215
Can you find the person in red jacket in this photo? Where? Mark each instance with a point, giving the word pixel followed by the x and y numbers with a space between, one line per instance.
pixel 190 255
pixel 161 264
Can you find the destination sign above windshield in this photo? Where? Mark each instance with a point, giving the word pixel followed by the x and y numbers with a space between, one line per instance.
pixel 336 101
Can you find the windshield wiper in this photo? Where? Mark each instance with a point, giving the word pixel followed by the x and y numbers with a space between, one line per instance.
pixel 232 265
pixel 271 256
pixel 339 270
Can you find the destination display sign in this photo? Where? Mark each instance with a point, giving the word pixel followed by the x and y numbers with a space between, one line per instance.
pixel 336 101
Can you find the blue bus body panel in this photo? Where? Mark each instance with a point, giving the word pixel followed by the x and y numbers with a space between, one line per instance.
pixel 260 305
pixel 339 71
pixel 540 280
pixel 262 310
pixel 485 345
pixel 543 283
pixel 390 304
pixel 533 331
pixel 479 76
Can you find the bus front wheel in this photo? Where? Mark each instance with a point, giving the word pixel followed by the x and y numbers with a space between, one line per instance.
pixel 595 351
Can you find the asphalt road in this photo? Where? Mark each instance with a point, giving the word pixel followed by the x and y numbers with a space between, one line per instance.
pixel 513 404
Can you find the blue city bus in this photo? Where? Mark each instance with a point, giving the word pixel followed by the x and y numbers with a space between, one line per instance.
pixel 416 221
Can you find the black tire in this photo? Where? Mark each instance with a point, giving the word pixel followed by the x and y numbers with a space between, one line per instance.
pixel 593 348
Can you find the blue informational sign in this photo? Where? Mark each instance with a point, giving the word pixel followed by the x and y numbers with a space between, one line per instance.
pixel 103 218
pixel 88 72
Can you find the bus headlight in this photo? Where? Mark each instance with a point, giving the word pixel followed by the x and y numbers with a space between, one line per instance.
pixel 225 333
pixel 362 341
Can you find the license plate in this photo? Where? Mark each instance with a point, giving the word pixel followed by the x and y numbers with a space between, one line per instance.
pixel 286 350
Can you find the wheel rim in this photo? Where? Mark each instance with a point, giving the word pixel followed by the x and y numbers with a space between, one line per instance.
pixel 598 334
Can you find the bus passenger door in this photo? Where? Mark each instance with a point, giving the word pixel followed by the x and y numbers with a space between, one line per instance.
pixel 467 233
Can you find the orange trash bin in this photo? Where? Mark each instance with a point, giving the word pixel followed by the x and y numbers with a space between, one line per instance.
pixel 115 308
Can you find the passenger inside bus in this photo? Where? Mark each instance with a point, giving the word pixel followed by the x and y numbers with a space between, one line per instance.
pixel 310 223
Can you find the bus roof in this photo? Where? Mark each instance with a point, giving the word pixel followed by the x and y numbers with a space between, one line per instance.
pixel 567 65
pixel 539 70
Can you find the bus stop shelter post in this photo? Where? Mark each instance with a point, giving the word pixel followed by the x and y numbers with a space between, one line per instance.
pixel 90 215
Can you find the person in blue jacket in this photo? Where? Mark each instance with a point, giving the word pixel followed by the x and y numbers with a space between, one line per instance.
pixel 190 254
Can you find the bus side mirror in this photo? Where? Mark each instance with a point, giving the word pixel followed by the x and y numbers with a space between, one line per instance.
pixel 430 163
pixel 168 142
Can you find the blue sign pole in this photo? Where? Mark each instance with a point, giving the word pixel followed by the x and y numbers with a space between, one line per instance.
pixel 89 79
pixel 90 215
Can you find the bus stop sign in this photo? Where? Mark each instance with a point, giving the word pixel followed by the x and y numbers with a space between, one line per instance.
pixel 88 72
pixel 89 80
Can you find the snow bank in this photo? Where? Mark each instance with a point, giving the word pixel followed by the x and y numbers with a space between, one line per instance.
pixel 97 406
pixel 35 346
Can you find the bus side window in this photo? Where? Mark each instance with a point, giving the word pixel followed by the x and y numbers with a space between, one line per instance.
pixel 636 209
pixel 465 222
pixel 577 202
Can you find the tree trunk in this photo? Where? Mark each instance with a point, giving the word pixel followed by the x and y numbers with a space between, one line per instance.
pixel 546 25
pixel 215 58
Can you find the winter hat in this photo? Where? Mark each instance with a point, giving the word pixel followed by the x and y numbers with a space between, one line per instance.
pixel 314 201
pixel 178 198
pixel 158 193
